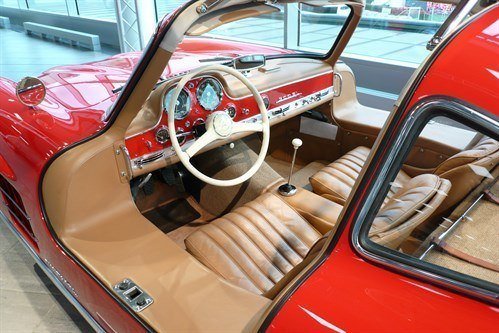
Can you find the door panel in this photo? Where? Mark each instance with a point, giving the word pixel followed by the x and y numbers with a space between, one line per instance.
pixel 360 125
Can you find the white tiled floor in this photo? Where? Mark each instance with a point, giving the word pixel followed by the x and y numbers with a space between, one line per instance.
pixel 29 302
pixel 21 55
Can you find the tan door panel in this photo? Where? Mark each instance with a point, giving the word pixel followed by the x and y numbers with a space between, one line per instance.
pixel 360 125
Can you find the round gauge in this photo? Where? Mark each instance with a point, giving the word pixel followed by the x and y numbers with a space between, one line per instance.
pixel 266 102
pixel 162 135
pixel 181 136
pixel 183 104
pixel 209 94
pixel 231 111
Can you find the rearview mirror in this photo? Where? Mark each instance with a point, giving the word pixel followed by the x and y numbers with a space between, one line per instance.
pixel 30 91
pixel 247 63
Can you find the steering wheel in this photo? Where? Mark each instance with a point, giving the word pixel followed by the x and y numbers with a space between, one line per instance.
pixel 220 126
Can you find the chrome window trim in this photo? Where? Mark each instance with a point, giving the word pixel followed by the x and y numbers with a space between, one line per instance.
pixel 51 275
pixel 418 118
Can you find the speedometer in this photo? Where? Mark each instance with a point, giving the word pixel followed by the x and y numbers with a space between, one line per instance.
pixel 209 94
pixel 183 104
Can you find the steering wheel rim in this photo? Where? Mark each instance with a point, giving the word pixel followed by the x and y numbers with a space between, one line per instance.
pixel 219 126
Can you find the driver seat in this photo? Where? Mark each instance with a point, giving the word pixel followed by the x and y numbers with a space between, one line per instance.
pixel 258 246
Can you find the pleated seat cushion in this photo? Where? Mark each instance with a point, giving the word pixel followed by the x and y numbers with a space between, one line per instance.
pixel 335 181
pixel 256 245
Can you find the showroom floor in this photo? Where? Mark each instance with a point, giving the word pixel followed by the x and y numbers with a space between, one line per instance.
pixel 21 55
pixel 29 302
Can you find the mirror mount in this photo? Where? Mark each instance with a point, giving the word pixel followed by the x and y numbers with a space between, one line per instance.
pixel 245 64
pixel 31 91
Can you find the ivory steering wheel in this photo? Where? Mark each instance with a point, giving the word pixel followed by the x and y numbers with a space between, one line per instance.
pixel 220 126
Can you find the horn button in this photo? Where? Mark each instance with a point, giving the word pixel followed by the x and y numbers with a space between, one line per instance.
pixel 222 124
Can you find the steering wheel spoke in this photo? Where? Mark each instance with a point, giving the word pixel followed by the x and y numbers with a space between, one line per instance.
pixel 220 126
pixel 241 127
pixel 201 142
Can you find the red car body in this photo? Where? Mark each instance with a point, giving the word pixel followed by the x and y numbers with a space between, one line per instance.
pixel 347 292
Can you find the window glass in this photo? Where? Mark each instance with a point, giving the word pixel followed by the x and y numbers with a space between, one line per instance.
pixel 165 7
pixel 320 26
pixel 51 6
pixel 9 3
pixel 97 9
pixel 442 208
pixel 309 28
pixel 397 30
pixel 264 29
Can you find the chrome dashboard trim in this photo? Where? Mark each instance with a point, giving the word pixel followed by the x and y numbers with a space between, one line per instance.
pixel 275 113
pixel 175 78
pixel 55 280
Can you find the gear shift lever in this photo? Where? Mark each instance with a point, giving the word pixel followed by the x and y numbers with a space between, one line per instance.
pixel 288 189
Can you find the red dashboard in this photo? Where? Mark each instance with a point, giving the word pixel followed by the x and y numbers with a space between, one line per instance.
pixel 280 100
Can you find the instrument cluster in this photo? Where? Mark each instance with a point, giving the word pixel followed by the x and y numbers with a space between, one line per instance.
pixel 204 95
pixel 198 99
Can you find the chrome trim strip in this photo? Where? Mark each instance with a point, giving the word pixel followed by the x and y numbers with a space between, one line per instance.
pixel 66 293
pixel 452 227
pixel 458 15
pixel 278 112
pixel 171 81
pixel 15 204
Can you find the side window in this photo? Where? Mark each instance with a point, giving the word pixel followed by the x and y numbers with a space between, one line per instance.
pixel 396 30
pixel 442 207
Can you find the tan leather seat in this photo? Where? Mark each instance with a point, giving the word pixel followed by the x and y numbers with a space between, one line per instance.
pixel 262 245
pixel 336 180
pixel 256 245
pixel 410 206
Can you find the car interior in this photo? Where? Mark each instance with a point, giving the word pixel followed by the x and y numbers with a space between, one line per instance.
pixel 235 175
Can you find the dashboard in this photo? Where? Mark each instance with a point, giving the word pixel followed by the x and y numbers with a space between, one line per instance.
pixel 285 91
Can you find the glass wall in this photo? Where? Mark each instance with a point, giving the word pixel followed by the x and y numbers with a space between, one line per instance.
pixel 164 7
pixel 397 30
pixel 9 3
pixel 392 30
pixel 94 9
pixel 98 9
pixel 52 6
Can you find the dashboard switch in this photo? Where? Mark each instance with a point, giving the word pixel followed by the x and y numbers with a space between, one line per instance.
pixel 199 130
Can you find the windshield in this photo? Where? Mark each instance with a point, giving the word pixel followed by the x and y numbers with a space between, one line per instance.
pixel 309 28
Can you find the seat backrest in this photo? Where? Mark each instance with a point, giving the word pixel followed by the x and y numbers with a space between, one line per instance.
pixel 483 149
pixel 410 206
pixel 465 170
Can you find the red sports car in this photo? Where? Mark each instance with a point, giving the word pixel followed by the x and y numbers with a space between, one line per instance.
pixel 211 185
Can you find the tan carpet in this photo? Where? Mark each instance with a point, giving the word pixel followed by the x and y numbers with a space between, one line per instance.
pixel 477 235
pixel 301 177
pixel 280 166
pixel 227 163
pixel 301 173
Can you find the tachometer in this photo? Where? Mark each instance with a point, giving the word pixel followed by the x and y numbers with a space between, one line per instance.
pixel 209 94
pixel 183 104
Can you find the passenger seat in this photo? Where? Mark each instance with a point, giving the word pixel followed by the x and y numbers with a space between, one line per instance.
pixel 336 180
pixel 405 210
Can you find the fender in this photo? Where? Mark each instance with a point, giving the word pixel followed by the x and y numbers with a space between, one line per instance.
pixel 6 170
